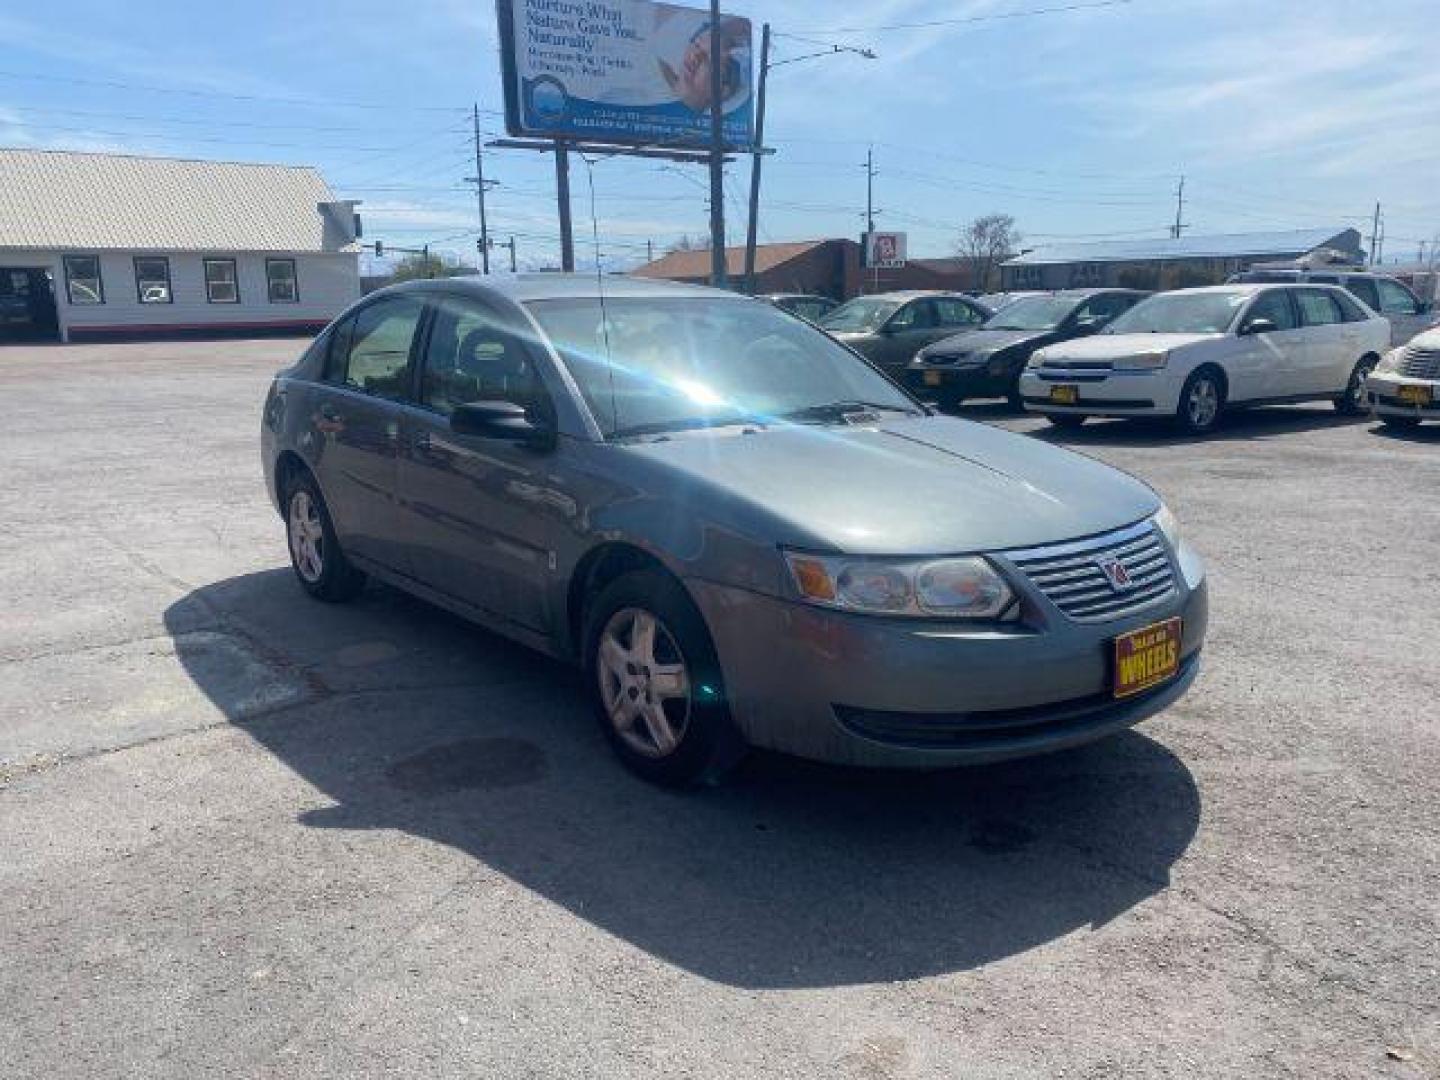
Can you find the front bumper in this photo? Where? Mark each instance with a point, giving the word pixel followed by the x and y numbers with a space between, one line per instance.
pixel 1101 392
pixel 867 690
pixel 962 380
pixel 1383 389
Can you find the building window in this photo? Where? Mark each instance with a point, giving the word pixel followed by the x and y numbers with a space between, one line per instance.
pixel 280 281
pixel 221 283
pixel 152 279
pixel 82 279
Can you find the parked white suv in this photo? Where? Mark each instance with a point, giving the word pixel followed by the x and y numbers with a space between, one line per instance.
pixel 1405 388
pixel 1408 314
pixel 1191 353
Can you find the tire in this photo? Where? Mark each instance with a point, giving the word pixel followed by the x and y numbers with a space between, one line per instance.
pixel 678 738
pixel 1400 423
pixel 1066 421
pixel 315 556
pixel 1202 402
pixel 1354 402
pixel 1013 396
pixel 950 402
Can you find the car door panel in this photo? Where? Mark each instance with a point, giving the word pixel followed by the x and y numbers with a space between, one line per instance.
pixel 1330 345
pixel 1262 365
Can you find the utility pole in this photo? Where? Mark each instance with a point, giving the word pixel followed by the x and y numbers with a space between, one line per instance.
pixel 1179 225
pixel 480 195
pixel 1380 247
pixel 870 215
pixel 756 158
pixel 562 196
pixel 649 251
pixel 511 245
pixel 1374 234
pixel 717 155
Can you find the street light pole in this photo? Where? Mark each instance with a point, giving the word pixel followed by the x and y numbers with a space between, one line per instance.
pixel 480 194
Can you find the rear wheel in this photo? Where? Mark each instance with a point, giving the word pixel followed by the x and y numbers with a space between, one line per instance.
pixel 1355 401
pixel 656 681
pixel 1400 423
pixel 1066 421
pixel 1202 399
pixel 315 555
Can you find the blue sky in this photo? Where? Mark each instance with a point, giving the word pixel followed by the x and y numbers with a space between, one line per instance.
pixel 1281 113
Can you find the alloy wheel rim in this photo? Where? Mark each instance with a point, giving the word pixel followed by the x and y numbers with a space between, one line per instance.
pixel 1357 385
pixel 307 537
pixel 644 682
pixel 1204 403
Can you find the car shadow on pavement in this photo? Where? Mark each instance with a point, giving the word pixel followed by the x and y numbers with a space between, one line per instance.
pixel 790 875
pixel 1423 433
pixel 1241 425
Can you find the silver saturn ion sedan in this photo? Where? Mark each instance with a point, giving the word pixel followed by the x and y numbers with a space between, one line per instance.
pixel 745 533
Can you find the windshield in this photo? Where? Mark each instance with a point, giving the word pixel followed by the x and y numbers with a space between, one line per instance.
pixel 862 313
pixel 686 363
pixel 1032 313
pixel 1181 313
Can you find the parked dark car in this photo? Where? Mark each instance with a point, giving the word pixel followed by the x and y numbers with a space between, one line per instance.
pixel 888 329
pixel 809 307
pixel 745 534
pixel 987 362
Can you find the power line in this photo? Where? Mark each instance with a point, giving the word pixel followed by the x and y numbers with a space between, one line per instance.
pixel 969 19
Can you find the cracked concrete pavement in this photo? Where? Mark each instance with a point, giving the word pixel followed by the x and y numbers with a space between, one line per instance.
pixel 250 835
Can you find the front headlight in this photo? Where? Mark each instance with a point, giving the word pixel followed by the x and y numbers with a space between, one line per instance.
pixel 1037 358
pixel 1391 360
pixel 958 588
pixel 1152 361
pixel 1168 524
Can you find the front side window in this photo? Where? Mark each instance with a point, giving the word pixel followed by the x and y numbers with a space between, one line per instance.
pixel 1395 299
pixel 862 313
pixel 957 313
pixel 916 315
pixel 378 355
pixel 1180 313
pixel 665 364
pixel 1317 308
pixel 152 279
pixel 281 282
pixel 470 357
pixel 82 280
pixel 1032 313
pixel 1103 308
pixel 1274 306
pixel 222 284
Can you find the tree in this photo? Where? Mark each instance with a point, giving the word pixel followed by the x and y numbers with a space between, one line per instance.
pixel 427 266
pixel 691 243
pixel 986 242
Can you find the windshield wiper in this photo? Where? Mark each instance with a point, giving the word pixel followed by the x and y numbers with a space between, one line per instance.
pixel 688 423
pixel 839 410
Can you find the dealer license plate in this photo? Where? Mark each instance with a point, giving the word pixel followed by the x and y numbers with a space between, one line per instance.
pixel 1064 395
pixel 1147 657
pixel 1414 395
pixel 932 378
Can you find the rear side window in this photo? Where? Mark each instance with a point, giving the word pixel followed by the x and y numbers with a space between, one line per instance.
pixel 1350 307
pixel 1364 288
pixel 377 347
pixel 1395 299
pixel 1275 306
pixel 1317 308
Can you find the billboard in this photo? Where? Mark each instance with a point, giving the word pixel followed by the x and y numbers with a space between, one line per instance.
pixel 628 72
pixel 885 250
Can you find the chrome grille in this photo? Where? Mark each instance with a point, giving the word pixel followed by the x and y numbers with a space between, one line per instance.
pixel 1420 363
pixel 1071 578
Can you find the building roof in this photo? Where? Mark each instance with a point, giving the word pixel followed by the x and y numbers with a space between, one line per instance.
pixel 95 202
pixel 682 265
pixel 1230 245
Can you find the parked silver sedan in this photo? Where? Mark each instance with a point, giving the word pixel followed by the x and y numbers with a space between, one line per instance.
pixel 743 532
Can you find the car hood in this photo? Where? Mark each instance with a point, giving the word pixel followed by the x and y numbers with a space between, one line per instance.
pixel 1105 346
pixel 983 342
pixel 908 486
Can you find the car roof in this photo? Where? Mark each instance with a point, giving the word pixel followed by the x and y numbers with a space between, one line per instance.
pixel 793 296
pixel 520 288
pixel 912 294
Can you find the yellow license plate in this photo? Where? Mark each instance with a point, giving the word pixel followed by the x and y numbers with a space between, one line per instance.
pixel 932 378
pixel 1064 395
pixel 1147 657
pixel 1413 395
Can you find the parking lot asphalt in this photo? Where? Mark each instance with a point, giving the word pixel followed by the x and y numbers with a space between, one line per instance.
pixel 246 834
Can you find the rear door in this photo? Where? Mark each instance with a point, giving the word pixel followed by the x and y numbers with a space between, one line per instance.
pixel 481 513
pixel 356 425
pixel 1264 365
pixel 1330 344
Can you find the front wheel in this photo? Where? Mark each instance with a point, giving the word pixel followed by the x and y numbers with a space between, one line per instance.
pixel 656 681
pixel 1400 423
pixel 1355 401
pixel 1201 400
pixel 1067 421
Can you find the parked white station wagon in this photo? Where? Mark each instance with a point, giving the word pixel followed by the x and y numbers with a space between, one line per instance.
pixel 1192 353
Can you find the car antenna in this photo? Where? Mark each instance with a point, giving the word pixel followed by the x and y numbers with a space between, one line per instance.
pixel 600 285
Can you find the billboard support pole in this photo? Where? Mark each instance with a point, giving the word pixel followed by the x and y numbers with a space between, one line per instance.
pixel 755 161
pixel 562 196
pixel 717 155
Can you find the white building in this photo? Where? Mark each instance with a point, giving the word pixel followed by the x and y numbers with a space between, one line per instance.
pixel 112 246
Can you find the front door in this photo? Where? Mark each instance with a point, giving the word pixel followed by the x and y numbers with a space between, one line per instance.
pixel 1264 364
pixel 909 330
pixel 480 513
pixel 356 421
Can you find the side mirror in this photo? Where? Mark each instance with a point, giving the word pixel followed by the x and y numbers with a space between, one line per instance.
pixel 500 420
pixel 1258 326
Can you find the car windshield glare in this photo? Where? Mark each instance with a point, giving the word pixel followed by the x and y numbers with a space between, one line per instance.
pixel 1032 313
pixel 862 313
pixel 650 365
pixel 1181 313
